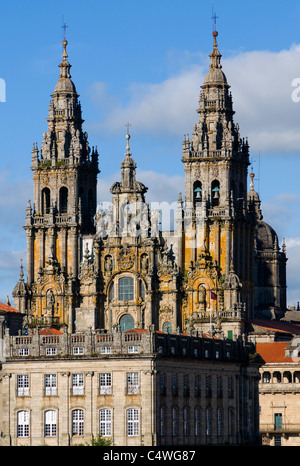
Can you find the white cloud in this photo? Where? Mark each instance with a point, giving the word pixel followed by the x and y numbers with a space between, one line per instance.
pixel 163 107
pixel 262 90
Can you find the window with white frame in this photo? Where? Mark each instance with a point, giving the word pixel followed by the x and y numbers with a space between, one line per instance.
pixel 133 349
pixel 23 424
pixel 50 423
pixel 77 422
pixel 23 385
pixel 51 351
pixel 105 350
pixel 50 384
pixel 132 422
pixel 77 384
pixel 23 351
pixel 132 383
pixel 77 350
pixel 105 422
pixel 105 383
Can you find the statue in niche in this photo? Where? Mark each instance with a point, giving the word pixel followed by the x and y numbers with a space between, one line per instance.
pixel 202 298
pixel 144 262
pixel 108 264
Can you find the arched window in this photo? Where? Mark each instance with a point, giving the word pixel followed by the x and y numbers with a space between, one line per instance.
pixel 126 289
pixel 133 426
pixel 197 192
pixel 45 201
pixel 142 290
pixel 23 424
pixel 50 423
pixel 126 322
pixel 77 422
pixel 63 200
pixel 105 422
pixel 111 291
pixel 167 327
pixel 215 193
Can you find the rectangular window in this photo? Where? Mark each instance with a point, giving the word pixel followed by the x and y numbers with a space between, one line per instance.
pixel 50 423
pixel 197 421
pixel 174 421
pixel 162 421
pixel 132 383
pixel 126 289
pixel 208 386
pixel 208 421
pixel 219 387
pixel 278 421
pixel 174 384
pixel 23 352
pixel 50 384
pixel 105 384
pixel 51 351
pixel 162 384
pixel 105 422
pixel 132 422
pixel 186 422
pixel 23 385
pixel 77 350
pixel 186 386
pixel 133 349
pixel 230 387
pixel 105 350
pixel 77 384
pixel 23 424
pixel 197 386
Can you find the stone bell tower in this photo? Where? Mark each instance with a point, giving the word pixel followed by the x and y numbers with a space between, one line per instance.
pixel 64 205
pixel 216 251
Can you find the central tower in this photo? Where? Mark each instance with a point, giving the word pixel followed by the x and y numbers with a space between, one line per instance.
pixel 215 225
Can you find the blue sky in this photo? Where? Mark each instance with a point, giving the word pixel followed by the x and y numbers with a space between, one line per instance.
pixel 143 63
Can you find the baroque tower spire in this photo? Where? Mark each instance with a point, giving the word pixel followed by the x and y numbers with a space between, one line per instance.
pixel 215 222
pixel 62 218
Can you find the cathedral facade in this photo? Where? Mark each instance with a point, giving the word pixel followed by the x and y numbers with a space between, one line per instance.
pixel 89 268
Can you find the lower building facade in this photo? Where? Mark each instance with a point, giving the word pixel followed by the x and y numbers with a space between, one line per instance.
pixel 137 388
pixel 279 393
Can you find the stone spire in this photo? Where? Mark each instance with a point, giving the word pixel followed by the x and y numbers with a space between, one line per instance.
pixel 128 183
pixel 65 139
pixel 215 130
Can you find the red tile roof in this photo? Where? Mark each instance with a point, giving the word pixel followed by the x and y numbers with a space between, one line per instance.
pixel 273 352
pixel 277 326
pixel 7 308
pixel 50 331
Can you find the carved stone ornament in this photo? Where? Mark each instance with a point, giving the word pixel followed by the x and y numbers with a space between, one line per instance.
pixel 126 259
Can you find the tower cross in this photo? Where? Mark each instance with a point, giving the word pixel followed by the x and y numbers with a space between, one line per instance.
pixel 214 19
pixel 127 126
pixel 64 27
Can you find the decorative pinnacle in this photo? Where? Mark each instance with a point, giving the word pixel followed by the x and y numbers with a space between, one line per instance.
pixel 128 146
pixel 252 175
pixel 127 137
pixel 65 43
